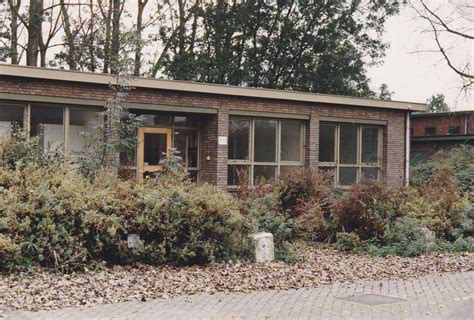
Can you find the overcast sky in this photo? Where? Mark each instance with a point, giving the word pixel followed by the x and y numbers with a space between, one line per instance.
pixel 415 76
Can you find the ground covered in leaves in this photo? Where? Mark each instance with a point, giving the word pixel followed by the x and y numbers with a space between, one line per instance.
pixel 46 289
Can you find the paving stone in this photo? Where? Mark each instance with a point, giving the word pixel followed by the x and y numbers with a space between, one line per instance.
pixel 445 296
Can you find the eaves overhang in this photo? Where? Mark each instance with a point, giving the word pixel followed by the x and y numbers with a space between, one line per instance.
pixel 196 87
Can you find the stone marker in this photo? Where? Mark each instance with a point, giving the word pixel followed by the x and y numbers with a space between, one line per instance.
pixel 133 240
pixel 263 246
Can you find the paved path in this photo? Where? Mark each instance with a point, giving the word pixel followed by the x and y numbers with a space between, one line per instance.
pixel 447 296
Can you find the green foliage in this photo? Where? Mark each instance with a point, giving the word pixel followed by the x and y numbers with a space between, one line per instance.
pixel 437 103
pixel 53 216
pixel 459 161
pixel 348 241
pixel 296 45
pixel 265 215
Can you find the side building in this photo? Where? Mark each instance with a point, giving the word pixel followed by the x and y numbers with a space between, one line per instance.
pixel 219 129
pixel 431 132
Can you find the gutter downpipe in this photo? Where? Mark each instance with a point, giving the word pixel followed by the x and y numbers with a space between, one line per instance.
pixel 407 148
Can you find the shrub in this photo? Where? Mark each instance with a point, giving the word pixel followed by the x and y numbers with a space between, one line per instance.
pixel 265 215
pixel 348 241
pixel 458 161
pixel 366 208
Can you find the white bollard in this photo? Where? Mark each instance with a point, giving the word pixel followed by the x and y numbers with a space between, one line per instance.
pixel 133 240
pixel 263 246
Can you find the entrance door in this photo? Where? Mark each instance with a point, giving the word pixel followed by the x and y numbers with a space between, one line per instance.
pixel 152 147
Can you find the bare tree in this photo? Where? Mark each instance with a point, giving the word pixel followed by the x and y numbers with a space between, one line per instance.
pixel 446 29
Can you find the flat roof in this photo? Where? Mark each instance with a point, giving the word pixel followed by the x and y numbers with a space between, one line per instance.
pixel 197 87
pixel 442 114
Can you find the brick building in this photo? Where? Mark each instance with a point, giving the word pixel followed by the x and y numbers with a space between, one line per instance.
pixel 431 132
pixel 219 129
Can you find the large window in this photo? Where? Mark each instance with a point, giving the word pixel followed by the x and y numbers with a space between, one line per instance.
pixel 350 151
pixel 81 122
pixel 10 116
pixel 263 148
pixel 47 122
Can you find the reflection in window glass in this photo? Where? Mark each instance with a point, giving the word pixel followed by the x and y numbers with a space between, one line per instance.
pixel 348 144
pixel 287 169
pixel 239 132
pixel 155 146
pixel 347 176
pixel 233 172
pixel 265 140
pixel 327 138
pixel 47 122
pixel 370 143
pixel 186 142
pixel 290 141
pixel 186 121
pixel 9 116
pixel 156 120
pixel 264 173
pixel 370 173
pixel 81 122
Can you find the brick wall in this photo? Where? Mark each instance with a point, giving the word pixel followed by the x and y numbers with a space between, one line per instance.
pixel 442 123
pixel 215 169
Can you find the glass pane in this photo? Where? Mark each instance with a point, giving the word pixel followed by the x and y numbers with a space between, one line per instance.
pixel 48 123
pixel 239 131
pixel 186 142
pixel 265 140
pixel 347 176
pixel 193 175
pixel 233 172
pixel 150 119
pixel 286 169
pixel 327 135
pixel 81 122
pixel 290 141
pixel 348 144
pixel 370 173
pixel 263 173
pixel 10 115
pixel 155 148
pixel 186 121
pixel 370 145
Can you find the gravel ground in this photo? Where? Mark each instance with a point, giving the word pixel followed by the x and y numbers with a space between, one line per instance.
pixel 46 289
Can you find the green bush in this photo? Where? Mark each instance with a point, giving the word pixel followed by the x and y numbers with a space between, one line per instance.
pixel 265 215
pixel 459 161
pixel 348 241
pixel 54 217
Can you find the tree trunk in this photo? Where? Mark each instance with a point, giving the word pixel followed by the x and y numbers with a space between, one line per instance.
pixel 14 8
pixel 35 23
pixel 138 48
pixel 106 16
pixel 115 43
pixel 69 38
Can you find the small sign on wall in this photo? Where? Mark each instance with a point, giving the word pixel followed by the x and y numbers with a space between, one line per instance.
pixel 222 141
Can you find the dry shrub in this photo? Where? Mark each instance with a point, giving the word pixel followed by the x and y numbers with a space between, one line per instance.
pixel 366 208
pixel 303 189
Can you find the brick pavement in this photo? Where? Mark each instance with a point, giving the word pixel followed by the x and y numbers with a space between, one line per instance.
pixel 446 296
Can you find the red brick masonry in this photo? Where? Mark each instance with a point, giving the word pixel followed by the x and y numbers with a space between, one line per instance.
pixel 215 169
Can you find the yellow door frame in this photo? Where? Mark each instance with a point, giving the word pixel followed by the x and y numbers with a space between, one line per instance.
pixel 141 167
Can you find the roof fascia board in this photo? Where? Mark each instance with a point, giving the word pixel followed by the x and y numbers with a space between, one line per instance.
pixel 353 120
pixel 444 138
pixel 233 112
pixel 105 79
pixel 26 98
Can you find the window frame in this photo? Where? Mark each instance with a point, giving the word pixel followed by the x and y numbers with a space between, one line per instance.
pixel 278 163
pixel 456 127
pixel 359 165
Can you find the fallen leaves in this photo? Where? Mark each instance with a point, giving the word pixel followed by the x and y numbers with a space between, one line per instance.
pixel 47 289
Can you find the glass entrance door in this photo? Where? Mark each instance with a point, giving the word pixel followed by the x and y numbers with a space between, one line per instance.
pixel 153 143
